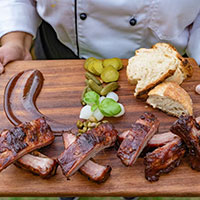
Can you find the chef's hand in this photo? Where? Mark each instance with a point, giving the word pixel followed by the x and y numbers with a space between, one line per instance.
pixel 14 46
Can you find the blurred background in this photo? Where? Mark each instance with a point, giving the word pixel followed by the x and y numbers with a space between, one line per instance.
pixel 100 198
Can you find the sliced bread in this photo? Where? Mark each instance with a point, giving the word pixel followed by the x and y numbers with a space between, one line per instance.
pixel 170 98
pixel 184 69
pixel 150 67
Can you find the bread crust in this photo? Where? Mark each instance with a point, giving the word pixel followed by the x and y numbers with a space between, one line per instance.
pixel 141 93
pixel 175 92
pixel 184 68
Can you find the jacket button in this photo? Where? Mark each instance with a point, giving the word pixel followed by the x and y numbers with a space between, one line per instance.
pixel 133 21
pixel 83 16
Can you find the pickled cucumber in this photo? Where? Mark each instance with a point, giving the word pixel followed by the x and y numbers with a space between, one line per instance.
pixel 87 61
pixel 93 65
pixel 115 62
pixel 109 74
pixel 89 76
pixel 97 66
pixel 109 88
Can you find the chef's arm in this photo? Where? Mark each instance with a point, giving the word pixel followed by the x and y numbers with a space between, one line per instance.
pixel 14 46
pixel 193 48
pixel 19 22
pixel 20 39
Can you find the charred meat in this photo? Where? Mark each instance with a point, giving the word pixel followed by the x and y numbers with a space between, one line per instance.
pixel 187 128
pixel 157 140
pixel 92 170
pixel 161 139
pixel 137 138
pixel 86 146
pixel 23 139
pixel 95 172
pixel 164 159
pixel 38 164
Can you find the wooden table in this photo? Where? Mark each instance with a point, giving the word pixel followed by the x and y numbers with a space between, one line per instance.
pixel 60 100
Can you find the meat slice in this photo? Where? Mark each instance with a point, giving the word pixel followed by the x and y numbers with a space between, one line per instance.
pixel 163 159
pixel 187 128
pixel 137 138
pixel 38 164
pixel 92 170
pixel 86 146
pixel 161 139
pixel 23 139
pixel 95 172
pixel 157 140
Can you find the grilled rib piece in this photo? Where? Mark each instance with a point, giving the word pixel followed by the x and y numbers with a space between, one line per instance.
pixel 157 140
pixel 137 138
pixel 23 139
pixel 90 169
pixel 161 139
pixel 187 128
pixel 164 159
pixel 38 164
pixel 95 172
pixel 85 147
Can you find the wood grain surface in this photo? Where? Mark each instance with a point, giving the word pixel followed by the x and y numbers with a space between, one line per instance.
pixel 60 100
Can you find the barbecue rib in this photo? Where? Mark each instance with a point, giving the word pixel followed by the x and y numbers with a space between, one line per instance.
pixel 137 138
pixel 157 140
pixel 164 159
pixel 38 164
pixel 85 147
pixel 161 139
pixel 92 170
pixel 187 128
pixel 23 139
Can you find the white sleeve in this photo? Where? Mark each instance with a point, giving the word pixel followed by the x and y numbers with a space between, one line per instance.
pixel 18 15
pixel 193 48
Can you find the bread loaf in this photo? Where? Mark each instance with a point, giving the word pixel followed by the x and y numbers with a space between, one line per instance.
pixel 170 98
pixel 150 67
pixel 184 69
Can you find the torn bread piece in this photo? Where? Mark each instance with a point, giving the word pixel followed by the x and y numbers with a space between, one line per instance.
pixel 184 69
pixel 149 67
pixel 171 98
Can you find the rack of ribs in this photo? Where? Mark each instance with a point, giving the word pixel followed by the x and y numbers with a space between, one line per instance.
pixel 137 138
pixel 23 139
pixel 164 159
pixel 38 164
pixel 86 146
pixel 188 129
pixel 92 170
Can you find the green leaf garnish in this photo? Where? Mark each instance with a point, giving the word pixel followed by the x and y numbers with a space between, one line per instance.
pixel 91 98
pixel 109 107
pixel 94 107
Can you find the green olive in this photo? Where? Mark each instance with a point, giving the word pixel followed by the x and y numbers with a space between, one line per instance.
pixel 115 62
pixel 109 74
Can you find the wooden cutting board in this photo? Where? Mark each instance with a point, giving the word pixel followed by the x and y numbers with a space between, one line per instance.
pixel 60 100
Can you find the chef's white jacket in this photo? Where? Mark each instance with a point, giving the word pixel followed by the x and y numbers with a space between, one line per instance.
pixel 109 28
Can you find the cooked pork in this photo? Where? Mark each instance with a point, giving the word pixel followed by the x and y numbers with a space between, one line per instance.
pixel 92 170
pixel 157 140
pixel 86 146
pixel 161 139
pixel 163 159
pixel 187 128
pixel 38 164
pixel 137 138
pixel 23 139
